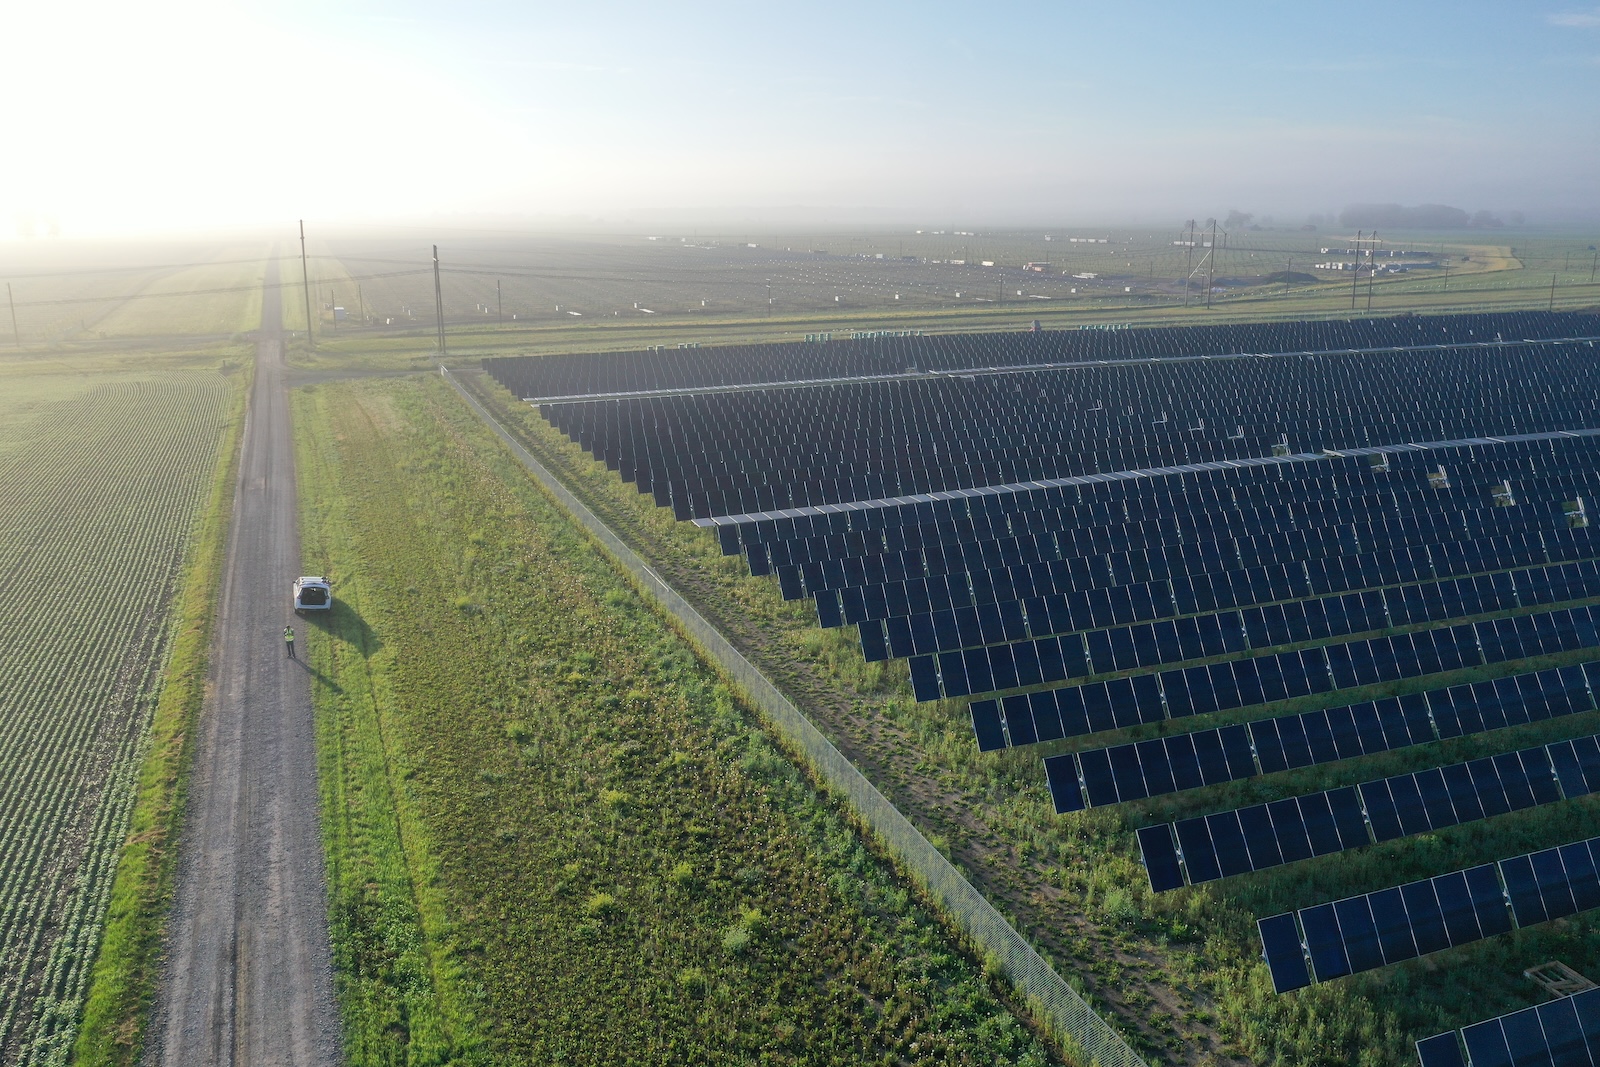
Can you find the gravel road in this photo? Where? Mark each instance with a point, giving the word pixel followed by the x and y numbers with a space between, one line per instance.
pixel 248 977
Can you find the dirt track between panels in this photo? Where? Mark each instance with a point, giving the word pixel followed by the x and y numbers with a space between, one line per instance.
pixel 248 977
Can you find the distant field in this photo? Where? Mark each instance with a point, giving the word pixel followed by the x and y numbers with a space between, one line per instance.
pixel 104 474
pixel 558 294
pixel 68 294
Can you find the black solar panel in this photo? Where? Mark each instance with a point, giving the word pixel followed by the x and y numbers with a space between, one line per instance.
pixel 1188 761
pixel 1562 1033
pixel 1372 930
pixel 1372 811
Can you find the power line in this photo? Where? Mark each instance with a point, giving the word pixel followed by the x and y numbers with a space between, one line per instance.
pixel 88 271
pixel 255 288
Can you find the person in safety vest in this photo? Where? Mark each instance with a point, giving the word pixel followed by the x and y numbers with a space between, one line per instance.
pixel 288 640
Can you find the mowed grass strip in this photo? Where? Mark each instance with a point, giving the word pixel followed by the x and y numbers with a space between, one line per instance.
pixel 553 835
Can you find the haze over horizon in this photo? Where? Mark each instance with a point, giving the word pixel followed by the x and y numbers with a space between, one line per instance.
pixel 189 116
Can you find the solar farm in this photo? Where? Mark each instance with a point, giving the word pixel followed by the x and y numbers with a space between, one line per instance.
pixel 1303 615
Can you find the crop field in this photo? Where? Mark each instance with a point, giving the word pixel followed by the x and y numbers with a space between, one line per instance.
pixel 1093 858
pixel 72 294
pixel 105 473
pixel 553 835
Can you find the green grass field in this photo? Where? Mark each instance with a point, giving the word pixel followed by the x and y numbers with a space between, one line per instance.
pixel 553 836
pixel 106 476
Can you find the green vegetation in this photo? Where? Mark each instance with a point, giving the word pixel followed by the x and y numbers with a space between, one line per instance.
pixel 553 835
pixel 106 476
pixel 1180 972
pixel 203 293
pixel 123 982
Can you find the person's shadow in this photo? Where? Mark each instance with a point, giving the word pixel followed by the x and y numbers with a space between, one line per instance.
pixel 343 623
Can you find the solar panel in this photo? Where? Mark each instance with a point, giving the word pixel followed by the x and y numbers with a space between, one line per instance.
pixel 1371 930
pixel 1441 1050
pixel 1385 809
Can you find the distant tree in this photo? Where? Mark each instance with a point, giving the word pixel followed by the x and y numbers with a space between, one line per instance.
pixel 1517 218
pixel 1484 220
pixel 1237 220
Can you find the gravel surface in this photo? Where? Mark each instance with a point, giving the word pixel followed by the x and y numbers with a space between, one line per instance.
pixel 248 974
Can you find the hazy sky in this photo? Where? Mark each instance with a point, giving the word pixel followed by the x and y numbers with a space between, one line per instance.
pixel 125 117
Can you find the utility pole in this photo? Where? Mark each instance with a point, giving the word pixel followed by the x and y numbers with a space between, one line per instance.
pixel 438 300
pixel 1447 277
pixel 1357 272
pixel 361 304
pixel 499 307
pixel 15 336
pixel 1211 263
pixel 1372 271
pixel 1552 290
pixel 331 311
pixel 769 293
pixel 305 279
pixel 1592 263
pixel 1188 263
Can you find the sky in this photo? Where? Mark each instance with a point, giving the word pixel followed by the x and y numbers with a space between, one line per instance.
pixel 193 116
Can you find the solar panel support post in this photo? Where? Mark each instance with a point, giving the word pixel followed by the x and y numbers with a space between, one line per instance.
pixel 438 300
pixel 305 281
pixel 15 336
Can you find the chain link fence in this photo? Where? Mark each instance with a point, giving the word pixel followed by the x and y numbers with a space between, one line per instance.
pixel 1084 1035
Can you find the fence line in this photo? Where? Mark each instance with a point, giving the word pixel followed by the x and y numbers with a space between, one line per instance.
pixel 1063 1011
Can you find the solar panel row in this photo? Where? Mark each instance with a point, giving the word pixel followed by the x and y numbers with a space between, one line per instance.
pixel 1254 838
pixel 1372 930
pixel 1242 683
pixel 764 450
pixel 1166 643
pixel 558 375
pixel 1182 505
pixel 1163 765
pixel 917 615
pixel 1405 502
pixel 1562 1033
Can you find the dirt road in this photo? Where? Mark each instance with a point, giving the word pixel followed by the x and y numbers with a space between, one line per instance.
pixel 249 978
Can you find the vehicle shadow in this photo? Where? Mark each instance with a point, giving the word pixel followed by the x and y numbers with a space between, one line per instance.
pixel 342 623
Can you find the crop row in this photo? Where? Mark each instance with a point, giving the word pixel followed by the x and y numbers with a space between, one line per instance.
pixel 99 493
